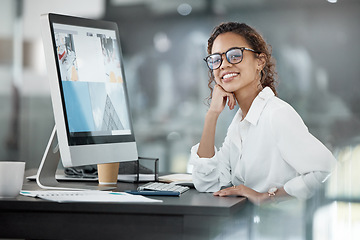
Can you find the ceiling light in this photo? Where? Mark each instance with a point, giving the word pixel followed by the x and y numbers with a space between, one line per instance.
pixel 184 9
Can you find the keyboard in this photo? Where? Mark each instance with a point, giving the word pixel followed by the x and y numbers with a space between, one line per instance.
pixel 158 186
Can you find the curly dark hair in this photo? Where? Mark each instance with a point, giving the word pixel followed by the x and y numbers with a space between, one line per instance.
pixel 256 42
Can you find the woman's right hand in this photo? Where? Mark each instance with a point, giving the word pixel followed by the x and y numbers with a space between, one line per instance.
pixel 219 99
pixel 217 105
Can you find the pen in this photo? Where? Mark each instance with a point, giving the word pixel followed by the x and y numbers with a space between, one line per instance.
pixel 154 193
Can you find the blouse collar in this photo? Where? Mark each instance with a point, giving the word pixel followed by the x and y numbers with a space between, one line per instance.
pixel 258 105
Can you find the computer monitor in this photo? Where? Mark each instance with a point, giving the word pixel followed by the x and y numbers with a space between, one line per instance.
pixel 89 96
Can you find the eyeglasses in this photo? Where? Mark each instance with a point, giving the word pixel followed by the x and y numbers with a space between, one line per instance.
pixel 233 55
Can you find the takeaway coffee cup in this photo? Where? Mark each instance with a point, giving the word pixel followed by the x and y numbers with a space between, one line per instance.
pixel 11 178
pixel 108 173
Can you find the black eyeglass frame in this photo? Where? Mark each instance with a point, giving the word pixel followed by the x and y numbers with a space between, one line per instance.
pixel 221 59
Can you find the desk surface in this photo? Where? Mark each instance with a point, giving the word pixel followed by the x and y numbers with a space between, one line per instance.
pixel 187 216
pixel 190 202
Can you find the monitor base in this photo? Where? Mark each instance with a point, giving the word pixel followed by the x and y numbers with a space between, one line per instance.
pixel 45 176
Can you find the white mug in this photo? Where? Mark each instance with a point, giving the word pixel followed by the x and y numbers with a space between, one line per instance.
pixel 11 178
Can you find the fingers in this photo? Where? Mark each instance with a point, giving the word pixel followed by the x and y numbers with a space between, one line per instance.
pixel 231 101
pixel 224 193
pixel 219 94
pixel 228 192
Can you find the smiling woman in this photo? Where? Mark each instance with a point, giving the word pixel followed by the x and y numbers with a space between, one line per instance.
pixel 268 152
pixel 257 45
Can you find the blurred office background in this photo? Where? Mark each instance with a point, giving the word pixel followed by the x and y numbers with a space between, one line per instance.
pixel 315 44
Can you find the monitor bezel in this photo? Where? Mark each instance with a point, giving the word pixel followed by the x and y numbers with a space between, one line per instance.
pixel 85 138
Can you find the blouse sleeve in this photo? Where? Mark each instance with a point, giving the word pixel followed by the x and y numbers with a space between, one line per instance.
pixel 301 150
pixel 210 174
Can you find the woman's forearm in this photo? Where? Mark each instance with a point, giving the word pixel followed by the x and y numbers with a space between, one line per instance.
pixel 207 142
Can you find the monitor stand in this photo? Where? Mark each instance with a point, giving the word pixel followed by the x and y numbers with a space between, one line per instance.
pixel 46 175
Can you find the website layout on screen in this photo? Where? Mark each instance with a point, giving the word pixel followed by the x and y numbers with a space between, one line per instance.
pixel 92 81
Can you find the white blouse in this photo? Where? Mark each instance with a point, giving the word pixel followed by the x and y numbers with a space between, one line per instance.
pixel 271 147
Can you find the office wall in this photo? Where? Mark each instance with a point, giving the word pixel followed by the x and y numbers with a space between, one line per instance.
pixel 7 12
pixel 314 42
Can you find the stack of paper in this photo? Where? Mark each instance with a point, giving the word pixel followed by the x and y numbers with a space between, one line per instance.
pixel 176 177
pixel 88 196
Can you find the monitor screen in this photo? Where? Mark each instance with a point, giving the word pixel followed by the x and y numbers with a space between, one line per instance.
pixel 92 84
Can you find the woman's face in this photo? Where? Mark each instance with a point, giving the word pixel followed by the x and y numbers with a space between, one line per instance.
pixel 240 76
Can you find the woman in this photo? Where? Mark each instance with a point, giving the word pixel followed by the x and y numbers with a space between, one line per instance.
pixel 268 152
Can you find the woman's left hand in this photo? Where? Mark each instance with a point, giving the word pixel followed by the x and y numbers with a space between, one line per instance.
pixel 241 190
